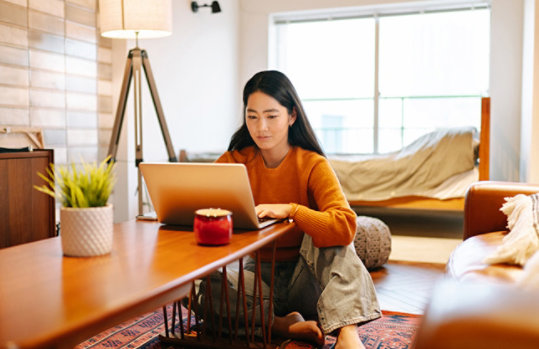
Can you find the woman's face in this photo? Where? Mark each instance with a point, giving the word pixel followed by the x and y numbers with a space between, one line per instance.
pixel 268 122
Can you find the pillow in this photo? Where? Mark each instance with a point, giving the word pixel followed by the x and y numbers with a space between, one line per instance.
pixel 522 241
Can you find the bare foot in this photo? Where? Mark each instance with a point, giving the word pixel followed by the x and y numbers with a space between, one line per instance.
pixel 294 326
pixel 348 338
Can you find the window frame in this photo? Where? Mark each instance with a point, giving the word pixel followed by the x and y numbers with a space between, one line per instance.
pixel 374 12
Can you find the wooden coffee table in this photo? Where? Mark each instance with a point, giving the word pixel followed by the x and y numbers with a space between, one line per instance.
pixel 48 300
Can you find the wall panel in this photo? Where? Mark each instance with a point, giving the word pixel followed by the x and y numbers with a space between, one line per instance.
pixel 49 54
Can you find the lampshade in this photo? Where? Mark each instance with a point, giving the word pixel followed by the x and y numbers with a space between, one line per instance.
pixel 125 19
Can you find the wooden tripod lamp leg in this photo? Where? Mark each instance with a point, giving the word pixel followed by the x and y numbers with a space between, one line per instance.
pixel 120 110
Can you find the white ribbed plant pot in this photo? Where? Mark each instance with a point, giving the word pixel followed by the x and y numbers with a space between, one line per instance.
pixel 86 232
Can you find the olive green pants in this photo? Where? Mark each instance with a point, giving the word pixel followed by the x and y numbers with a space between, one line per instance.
pixel 330 285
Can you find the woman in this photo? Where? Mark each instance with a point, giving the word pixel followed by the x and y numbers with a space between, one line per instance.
pixel 318 273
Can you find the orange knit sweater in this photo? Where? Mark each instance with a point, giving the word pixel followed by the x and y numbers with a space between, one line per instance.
pixel 306 180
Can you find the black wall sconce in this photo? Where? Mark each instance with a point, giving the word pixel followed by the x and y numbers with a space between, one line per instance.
pixel 215 8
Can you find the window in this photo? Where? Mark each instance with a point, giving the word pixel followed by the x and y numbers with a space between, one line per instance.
pixel 374 83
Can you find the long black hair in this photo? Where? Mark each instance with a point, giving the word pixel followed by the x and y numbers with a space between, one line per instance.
pixel 277 85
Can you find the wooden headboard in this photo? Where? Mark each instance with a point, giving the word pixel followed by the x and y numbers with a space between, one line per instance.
pixel 484 140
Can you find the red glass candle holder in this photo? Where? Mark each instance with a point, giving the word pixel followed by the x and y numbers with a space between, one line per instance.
pixel 213 226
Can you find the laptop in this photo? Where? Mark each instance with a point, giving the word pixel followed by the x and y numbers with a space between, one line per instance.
pixel 178 189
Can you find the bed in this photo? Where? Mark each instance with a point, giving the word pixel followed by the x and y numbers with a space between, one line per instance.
pixel 433 173
pixel 447 194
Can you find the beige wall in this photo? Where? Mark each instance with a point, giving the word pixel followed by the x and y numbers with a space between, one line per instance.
pixel 529 170
pixel 55 74
pixel 506 88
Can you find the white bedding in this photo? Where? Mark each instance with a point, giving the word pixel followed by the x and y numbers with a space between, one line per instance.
pixel 453 187
pixel 439 165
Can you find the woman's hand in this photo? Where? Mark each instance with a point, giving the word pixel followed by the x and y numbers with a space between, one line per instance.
pixel 279 211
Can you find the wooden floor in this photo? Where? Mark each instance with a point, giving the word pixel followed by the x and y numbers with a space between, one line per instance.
pixel 406 286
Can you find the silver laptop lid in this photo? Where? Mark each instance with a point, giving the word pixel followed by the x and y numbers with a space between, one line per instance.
pixel 177 190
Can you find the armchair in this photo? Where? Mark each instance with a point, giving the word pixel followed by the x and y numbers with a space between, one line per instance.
pixel 484 229
pixel 478 305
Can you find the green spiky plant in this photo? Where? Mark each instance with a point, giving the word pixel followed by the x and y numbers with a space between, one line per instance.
pixel 87 186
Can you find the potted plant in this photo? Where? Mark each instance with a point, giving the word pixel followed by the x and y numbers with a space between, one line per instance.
pixel 86 221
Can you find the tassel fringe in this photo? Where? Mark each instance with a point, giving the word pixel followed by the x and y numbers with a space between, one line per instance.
pixel 523 239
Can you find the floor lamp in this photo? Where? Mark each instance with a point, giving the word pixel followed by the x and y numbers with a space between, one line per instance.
pixel 134 19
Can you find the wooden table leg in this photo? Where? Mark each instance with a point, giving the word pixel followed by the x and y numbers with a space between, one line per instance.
pixel 215 340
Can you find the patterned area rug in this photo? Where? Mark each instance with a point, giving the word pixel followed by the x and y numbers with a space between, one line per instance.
pixel 392 331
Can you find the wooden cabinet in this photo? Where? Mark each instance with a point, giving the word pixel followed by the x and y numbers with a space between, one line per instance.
pixel 25 213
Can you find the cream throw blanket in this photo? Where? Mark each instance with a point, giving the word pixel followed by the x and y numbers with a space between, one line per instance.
pixel 417 168
pixel 522 241
pixel 530 277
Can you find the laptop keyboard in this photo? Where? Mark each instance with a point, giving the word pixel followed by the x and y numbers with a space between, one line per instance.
pixel 263 219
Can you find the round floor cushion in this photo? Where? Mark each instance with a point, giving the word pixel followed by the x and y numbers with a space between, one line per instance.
pixel 372 241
